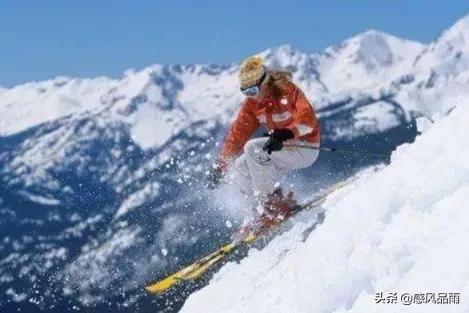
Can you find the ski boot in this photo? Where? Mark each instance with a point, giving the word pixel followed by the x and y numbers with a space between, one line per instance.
pixel 276 208
pixel 272 211
pixel 279 206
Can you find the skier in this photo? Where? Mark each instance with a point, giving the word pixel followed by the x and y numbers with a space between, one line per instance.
pixel 257 165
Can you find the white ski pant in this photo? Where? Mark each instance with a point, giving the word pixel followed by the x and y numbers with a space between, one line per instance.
pixel 256 172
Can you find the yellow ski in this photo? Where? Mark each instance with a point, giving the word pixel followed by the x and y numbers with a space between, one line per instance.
pixel 198 268
pixel 190 272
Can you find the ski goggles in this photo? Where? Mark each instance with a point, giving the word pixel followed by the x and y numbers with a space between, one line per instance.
pixel 253 90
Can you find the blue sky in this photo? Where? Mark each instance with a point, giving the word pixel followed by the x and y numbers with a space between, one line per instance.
pixel 44 39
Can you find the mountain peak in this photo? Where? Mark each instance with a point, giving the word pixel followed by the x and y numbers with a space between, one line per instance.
pixel 460 27
pixel 373 40
pixel 373 32
pixel 280 52
pixel 374 35
pixel 374 49
pixel 447 49
pixel 284 48
pixel 283 56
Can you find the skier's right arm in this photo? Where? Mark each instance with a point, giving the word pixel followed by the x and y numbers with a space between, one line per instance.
pixel 242 128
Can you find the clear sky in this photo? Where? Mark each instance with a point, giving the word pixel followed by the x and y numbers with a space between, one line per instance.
pixel 44 39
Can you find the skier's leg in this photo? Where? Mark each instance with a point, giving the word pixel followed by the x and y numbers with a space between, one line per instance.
pixel 292 158
pixel 239 176
pixel 260 167
pixel 266 170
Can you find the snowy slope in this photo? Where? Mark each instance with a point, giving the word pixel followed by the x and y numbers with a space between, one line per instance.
pixel 401 230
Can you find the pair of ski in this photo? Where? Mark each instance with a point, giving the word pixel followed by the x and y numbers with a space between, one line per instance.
pixel 200 267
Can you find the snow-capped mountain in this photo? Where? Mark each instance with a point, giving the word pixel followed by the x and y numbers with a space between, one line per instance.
pixel 449 47
pixel 369 60
pixel 101 178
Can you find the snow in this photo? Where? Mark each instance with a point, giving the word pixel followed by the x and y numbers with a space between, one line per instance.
pixel 375 118
pixel 152 128
pixel 39 198
pixel 450 44
pixel 401 230
pixel 172 231
pixel 78 228
pixel 369 60
pixel 27 105
pixel 138 198
pixel 96 266
pixel 17 297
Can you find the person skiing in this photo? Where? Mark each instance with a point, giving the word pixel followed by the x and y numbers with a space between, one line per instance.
pixel 257 165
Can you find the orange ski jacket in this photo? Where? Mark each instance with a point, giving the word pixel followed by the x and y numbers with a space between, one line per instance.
pixel 289 110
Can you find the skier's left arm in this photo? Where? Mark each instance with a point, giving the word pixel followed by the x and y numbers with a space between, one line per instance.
pixel 304 118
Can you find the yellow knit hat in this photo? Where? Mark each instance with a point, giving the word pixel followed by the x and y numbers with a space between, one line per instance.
pixel 251 71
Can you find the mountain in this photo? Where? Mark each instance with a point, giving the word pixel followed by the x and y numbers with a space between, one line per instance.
pixel 369 60
pixel 101 179
pixel 449 47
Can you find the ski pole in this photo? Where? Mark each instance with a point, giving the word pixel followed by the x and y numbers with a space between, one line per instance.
pixel 333 149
